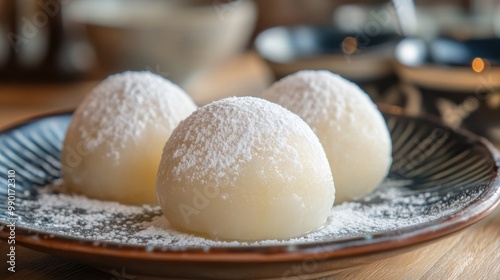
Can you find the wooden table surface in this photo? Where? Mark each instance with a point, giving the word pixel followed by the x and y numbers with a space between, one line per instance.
pixel 471 254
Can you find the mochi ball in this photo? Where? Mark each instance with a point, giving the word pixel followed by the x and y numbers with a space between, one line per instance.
pixel 349 125
pixel 245 169
pixel 114 143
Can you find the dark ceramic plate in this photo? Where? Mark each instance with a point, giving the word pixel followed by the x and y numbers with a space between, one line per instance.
pixel 441 181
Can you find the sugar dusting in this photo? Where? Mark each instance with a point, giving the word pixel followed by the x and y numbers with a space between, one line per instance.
pixel 221 140
pixel 124 105
pixel 388 209
pixel 320 97
pixel 352 130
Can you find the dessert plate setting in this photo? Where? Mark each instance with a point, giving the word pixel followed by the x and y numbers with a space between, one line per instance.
pixel 441 181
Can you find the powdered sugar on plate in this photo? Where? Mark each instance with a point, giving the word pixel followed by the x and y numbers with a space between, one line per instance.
pixel 388 209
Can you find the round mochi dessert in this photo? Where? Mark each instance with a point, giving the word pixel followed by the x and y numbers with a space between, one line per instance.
pixel 246 169
pixel 114 143
pixel 349 125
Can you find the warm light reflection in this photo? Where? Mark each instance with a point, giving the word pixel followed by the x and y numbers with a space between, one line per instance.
pixel 478 65
pixel 349 45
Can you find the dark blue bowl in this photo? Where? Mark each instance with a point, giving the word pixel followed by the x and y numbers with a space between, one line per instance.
pixel 457 80
pixel 359 57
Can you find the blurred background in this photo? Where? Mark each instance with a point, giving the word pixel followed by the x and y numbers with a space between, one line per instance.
pixel 426 57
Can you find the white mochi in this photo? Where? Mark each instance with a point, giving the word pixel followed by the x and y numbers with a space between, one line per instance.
pixel 114 142
pixel 245 169
pixel 349 125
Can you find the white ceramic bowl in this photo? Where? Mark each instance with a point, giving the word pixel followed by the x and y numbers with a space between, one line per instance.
pixel 173 38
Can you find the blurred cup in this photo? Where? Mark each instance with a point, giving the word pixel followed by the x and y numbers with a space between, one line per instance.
pixel 177 39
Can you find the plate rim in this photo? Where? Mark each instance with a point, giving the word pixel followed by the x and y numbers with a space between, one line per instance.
pixel 384 242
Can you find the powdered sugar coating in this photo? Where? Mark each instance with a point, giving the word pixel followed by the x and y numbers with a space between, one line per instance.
pixel 234 166
pixel 349 125
pixel 113 145
pixel 121 107
pixel 222 140
pixel 322 97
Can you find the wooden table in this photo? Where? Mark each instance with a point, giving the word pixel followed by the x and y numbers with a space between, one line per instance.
pixel 470 255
